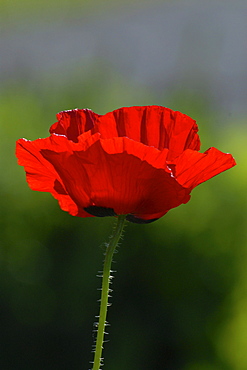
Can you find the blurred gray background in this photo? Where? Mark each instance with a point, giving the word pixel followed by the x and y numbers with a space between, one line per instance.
pixel 197 46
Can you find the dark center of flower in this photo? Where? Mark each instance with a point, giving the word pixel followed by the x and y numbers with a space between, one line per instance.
pixel 137 220
pixel 104 212
pixel 100 211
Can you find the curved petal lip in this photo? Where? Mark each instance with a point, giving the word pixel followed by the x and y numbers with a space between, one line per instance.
pixel 155 126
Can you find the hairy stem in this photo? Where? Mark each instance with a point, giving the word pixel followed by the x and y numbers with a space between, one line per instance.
pixel 105 291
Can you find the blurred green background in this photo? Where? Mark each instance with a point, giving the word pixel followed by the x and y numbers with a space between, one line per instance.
pixel 180 291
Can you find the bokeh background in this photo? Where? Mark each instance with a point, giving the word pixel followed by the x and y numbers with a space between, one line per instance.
pixel 180 291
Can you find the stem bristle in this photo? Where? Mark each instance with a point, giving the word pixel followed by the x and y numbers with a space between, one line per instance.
pixel 107 277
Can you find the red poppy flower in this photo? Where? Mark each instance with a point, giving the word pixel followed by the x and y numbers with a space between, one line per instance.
pixel 138 161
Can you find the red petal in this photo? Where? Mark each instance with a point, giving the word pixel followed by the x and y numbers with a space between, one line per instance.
pixel 73 123
pixel 40 174
pixel 126 171
pixel 192 168
pixel 153 126
pixel 117 173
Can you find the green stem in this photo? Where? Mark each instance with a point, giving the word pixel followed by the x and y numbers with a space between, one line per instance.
pixel 105 291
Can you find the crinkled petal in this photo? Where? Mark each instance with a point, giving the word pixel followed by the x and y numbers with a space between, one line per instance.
pixel 73 123
pixel 115 173
pixel 41 174
pixel 192 168
pixel 155 126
